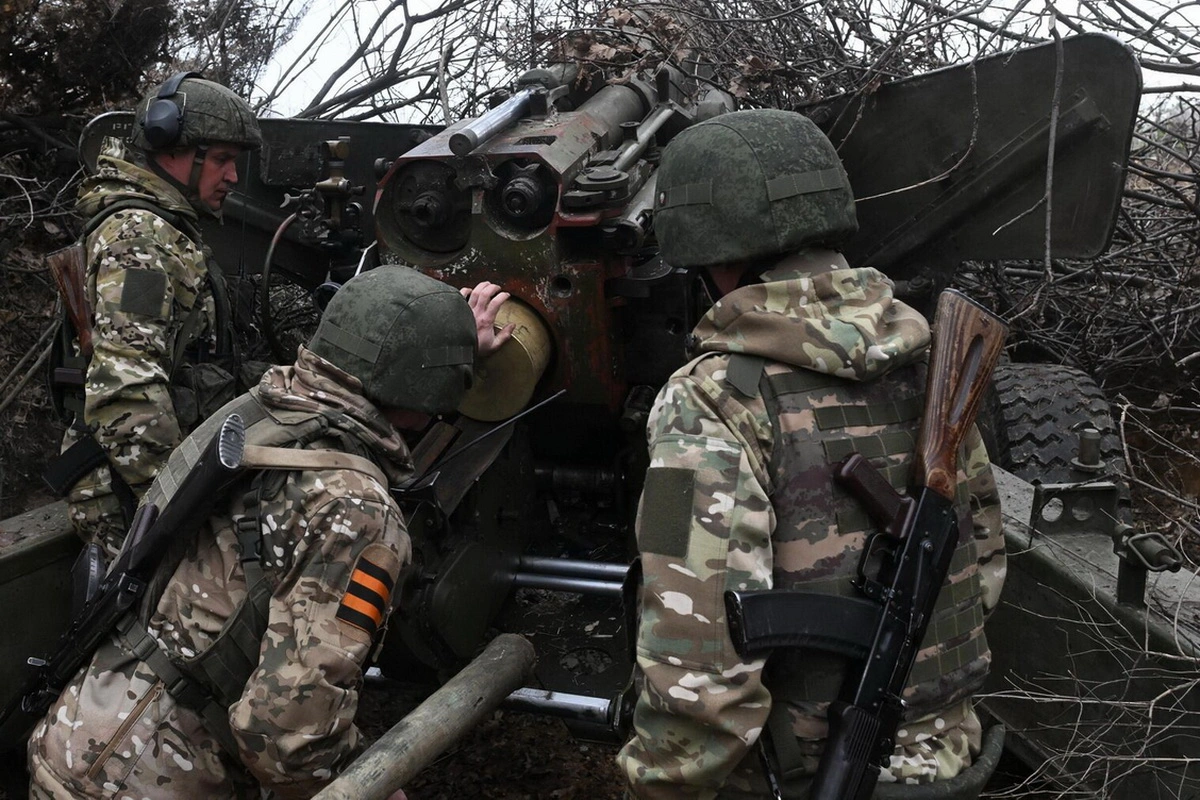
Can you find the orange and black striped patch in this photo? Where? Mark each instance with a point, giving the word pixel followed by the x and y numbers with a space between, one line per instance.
pixel 366 600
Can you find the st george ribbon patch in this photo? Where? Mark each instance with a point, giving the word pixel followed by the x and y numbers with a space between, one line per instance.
pixel 367 597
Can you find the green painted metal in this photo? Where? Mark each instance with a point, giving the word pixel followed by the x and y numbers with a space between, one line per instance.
pixel 1101 693
pixel 37 550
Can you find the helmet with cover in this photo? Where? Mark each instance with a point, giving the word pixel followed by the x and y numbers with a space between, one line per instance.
pixel 749 185
pixel 188 111
pixel 409 338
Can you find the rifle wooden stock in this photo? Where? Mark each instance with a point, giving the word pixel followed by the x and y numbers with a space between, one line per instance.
pixel 68 268
pixel 965 349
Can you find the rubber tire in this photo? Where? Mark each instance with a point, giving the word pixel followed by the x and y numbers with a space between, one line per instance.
pixel 1033 418
pixel 1035 415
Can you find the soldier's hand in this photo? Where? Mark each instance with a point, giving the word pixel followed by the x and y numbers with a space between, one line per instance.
pixel 485 301
pixel 398 795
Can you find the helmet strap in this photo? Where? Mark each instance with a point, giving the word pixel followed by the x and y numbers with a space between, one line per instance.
pixel 192 191
pixel 193 184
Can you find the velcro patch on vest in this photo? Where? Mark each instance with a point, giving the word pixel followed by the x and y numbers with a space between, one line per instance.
pixel 368 596
pixel 144 292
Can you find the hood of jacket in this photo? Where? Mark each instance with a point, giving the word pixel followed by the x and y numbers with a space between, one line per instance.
pixel 117 179
pixel 314 384
pixel 815 312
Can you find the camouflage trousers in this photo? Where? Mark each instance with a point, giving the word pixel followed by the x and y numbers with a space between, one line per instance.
pixel 929 750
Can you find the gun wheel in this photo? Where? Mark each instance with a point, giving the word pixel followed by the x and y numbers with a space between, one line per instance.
pixel 1033 418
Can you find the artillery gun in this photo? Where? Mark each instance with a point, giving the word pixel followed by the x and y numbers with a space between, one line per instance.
pixel 525 526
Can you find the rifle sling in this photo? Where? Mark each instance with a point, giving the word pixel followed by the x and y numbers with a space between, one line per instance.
pixel 137 641
pixel 68 467
pixel 258 457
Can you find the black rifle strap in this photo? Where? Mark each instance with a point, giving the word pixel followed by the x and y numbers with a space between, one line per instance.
pixel 137 641
pixel 68 467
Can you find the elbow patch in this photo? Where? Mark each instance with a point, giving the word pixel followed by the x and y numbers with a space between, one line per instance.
pixel 144 293
pixel 368 596
pixel 666 511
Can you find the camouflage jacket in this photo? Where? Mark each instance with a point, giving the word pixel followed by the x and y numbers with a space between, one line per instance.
pixel 115 732
pixel 145 279
pixel 701 708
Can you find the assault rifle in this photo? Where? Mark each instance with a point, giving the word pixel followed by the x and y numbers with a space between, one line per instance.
pixel 150 534
pixel 881 632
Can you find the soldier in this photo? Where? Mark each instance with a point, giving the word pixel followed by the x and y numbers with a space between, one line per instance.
pixel 242 675
pixel 163 341
pixel 801 359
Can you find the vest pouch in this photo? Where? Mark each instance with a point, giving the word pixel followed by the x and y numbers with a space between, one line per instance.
pixel 228 663
pixel 198 391
pixel 221 671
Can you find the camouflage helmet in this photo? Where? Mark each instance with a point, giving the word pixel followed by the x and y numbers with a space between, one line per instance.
pixel 747 185
pixel 409 338
pixel 188 111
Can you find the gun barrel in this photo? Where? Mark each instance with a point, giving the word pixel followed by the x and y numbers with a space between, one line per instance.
pixel 478 131
pixel 571 575
pixel 612 106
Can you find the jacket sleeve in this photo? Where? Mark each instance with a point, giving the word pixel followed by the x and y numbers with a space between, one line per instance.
pixel 295 720
pixel 704 526
pixel 127 398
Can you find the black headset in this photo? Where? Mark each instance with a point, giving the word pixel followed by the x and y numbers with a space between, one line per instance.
pixel 164 118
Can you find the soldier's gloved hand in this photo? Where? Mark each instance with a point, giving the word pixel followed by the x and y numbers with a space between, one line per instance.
pixel 485 301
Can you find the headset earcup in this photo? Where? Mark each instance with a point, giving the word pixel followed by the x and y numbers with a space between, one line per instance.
pixel 162 124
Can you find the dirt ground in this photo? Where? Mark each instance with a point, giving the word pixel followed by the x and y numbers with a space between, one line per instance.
pixel 515 757
pixel 509 757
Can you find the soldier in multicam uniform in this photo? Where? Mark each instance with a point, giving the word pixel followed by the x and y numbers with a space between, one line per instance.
pixel 242 675
pixel 163 357
pixel 800 361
